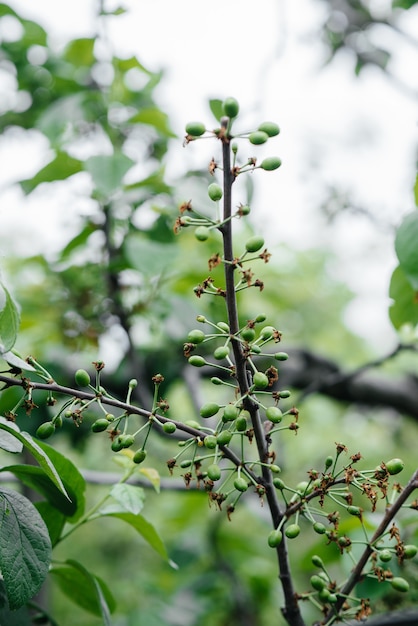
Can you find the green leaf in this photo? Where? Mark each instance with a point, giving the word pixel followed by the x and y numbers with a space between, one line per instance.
pixel 404 4
pixel 62 167
pixel 152 475
pixel 12 618
pixel 144 528
pixel 406 246
pixel 25 548
pixel 16 361
pixel 130 497
pixel 54 520
pixel 153 117
pixel 416 191
pixel 79 52
pixel 404 309
pixel 7 441
pixel 9 320
pixel 85 589
pixel 215 106
pixel 79 241
pixel 108 172
pixel 39 454
pixel 149 257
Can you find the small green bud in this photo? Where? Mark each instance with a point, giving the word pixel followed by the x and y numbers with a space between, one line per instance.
pixel 254 243
pixel 328 462
pixel 275 538
pixel 215 192
pixel 195 129
pixel 216 381
pixel 234 147
pixel 400 584
pixel 275 468
pixel 223 326
pixel 317 561
pixel 209 409
pixel 284 394
pixel 240 484
pixel 100 425
pixel 139 456
pixel 169 428
pixel 210 442
pixel 133 383
pixel 270 163
pixel 258 137
pixel 82 378
pixel 192 424
pixel 260 318
pixel 354 510
pixel 45 430
pixel 196 336
pixel 202 233
pixel 245 209
pixel 281 356
pixel 270 128
pixel 201 319
pixel 278 483
pixel 197 361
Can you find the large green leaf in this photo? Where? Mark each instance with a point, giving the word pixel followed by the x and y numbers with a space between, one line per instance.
pixel 39 454
pixel 25 548
pixel 79 52
pixel 153 117
pixel 7 441
pixel 84 589
pixel 406 246
pixel 20 617
pixel 149 257
pixel 9 320
pixel 130 497
pixel 107 172
pixel 144 528
pixel 54 520
pixel 404 309
pixel 62 167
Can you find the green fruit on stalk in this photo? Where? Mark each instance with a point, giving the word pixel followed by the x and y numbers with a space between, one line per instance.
pixel 270 163
pixel 319 528
pixel 209 409
pixel 223 326
pixel 127 440
pixel 214 472
pixel 258 137
pixel 394 466
pixel 317 561
pixel 275 538
pixel 224 438
pixel 45 430
pixel 267 332
pixel 260 380
pixel 202 233
pixel 210 442
pixel 241 424
pixel 139 456
pixel 230 413
pixel 100 425
pixel 354 510
pixel 278 483
pixel 169 428
pixel 292 531
pixel 82 378
pixel 240 484
pixel 196 336
pixel 385 555
pixel 215 192
pixel 274 414
pixel 254 244
pixel 116 445
pixel 195 129
pixel 230 107
pixel 270 128
pixel 281 356
pixel 221 353
pixel 400 584
pixel 284 394
pixel 317 582
pixel 410 551
pixel 248 334
pixel 197 361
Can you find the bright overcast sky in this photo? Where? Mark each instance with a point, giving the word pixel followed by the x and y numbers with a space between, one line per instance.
pixel 357 134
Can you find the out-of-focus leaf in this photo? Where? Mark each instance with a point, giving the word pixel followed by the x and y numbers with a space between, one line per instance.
pixel 152 475
pixel 406 246
pixel 404 4
pixel 108 172
pixel 215 106
pixel 62 167
pixel 78 241
pixel 155 182
pixel 149 257
pixel 416 189
pixel 145 529
pixel 9 320
pixel 54 520
pixel 80 52
pixel 404 309
pixel 153 117
pixel 130 497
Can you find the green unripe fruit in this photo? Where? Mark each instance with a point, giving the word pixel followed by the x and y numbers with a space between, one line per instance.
pixel 256 349
pixel 324 595
pixel 354 510
pixel 275 469
pixel 169 427
pixel 68 414
pixel 302 487
pixel 332 598
pixel 281 356
pixel 186 463
pixel 216 381
pixel 221 353
pixel 278 483
pixel 260 380
pixel 385 555
pixel 45 430
pixel 210 442
pixel 209 409
pixel 215 192
pixel 214 472
pixel 292 531
pixel 240 484
pixel 270 163
pixel 196 336
pixel 192 424
pixel 241 424
pixel 248 334
pixel 319 528
pixel 317 561
pixel 234 147
pixel 410 551
pixel 202 233
pixel 270 128
pixel 245 209
pixel 116 445
pixel 201 319
pixel 317 582
pixel 394 466
pixel 275 538
pixel 230 107
pixel 260 318
pixel 223 326
pixel 100 425
pixel 82 378
pixel 133 383
pixel 254 243
pixel 267 332
pixel 58 421
pixel 110 417
pixel 328 462
pixel 127 440
pixel 258 137
pixel 230 413
pixel 197 361
pixel 195 129
pixel 284 394
pixel 400 584
pixel 224 438
pixel 274 414
pixel 139 456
